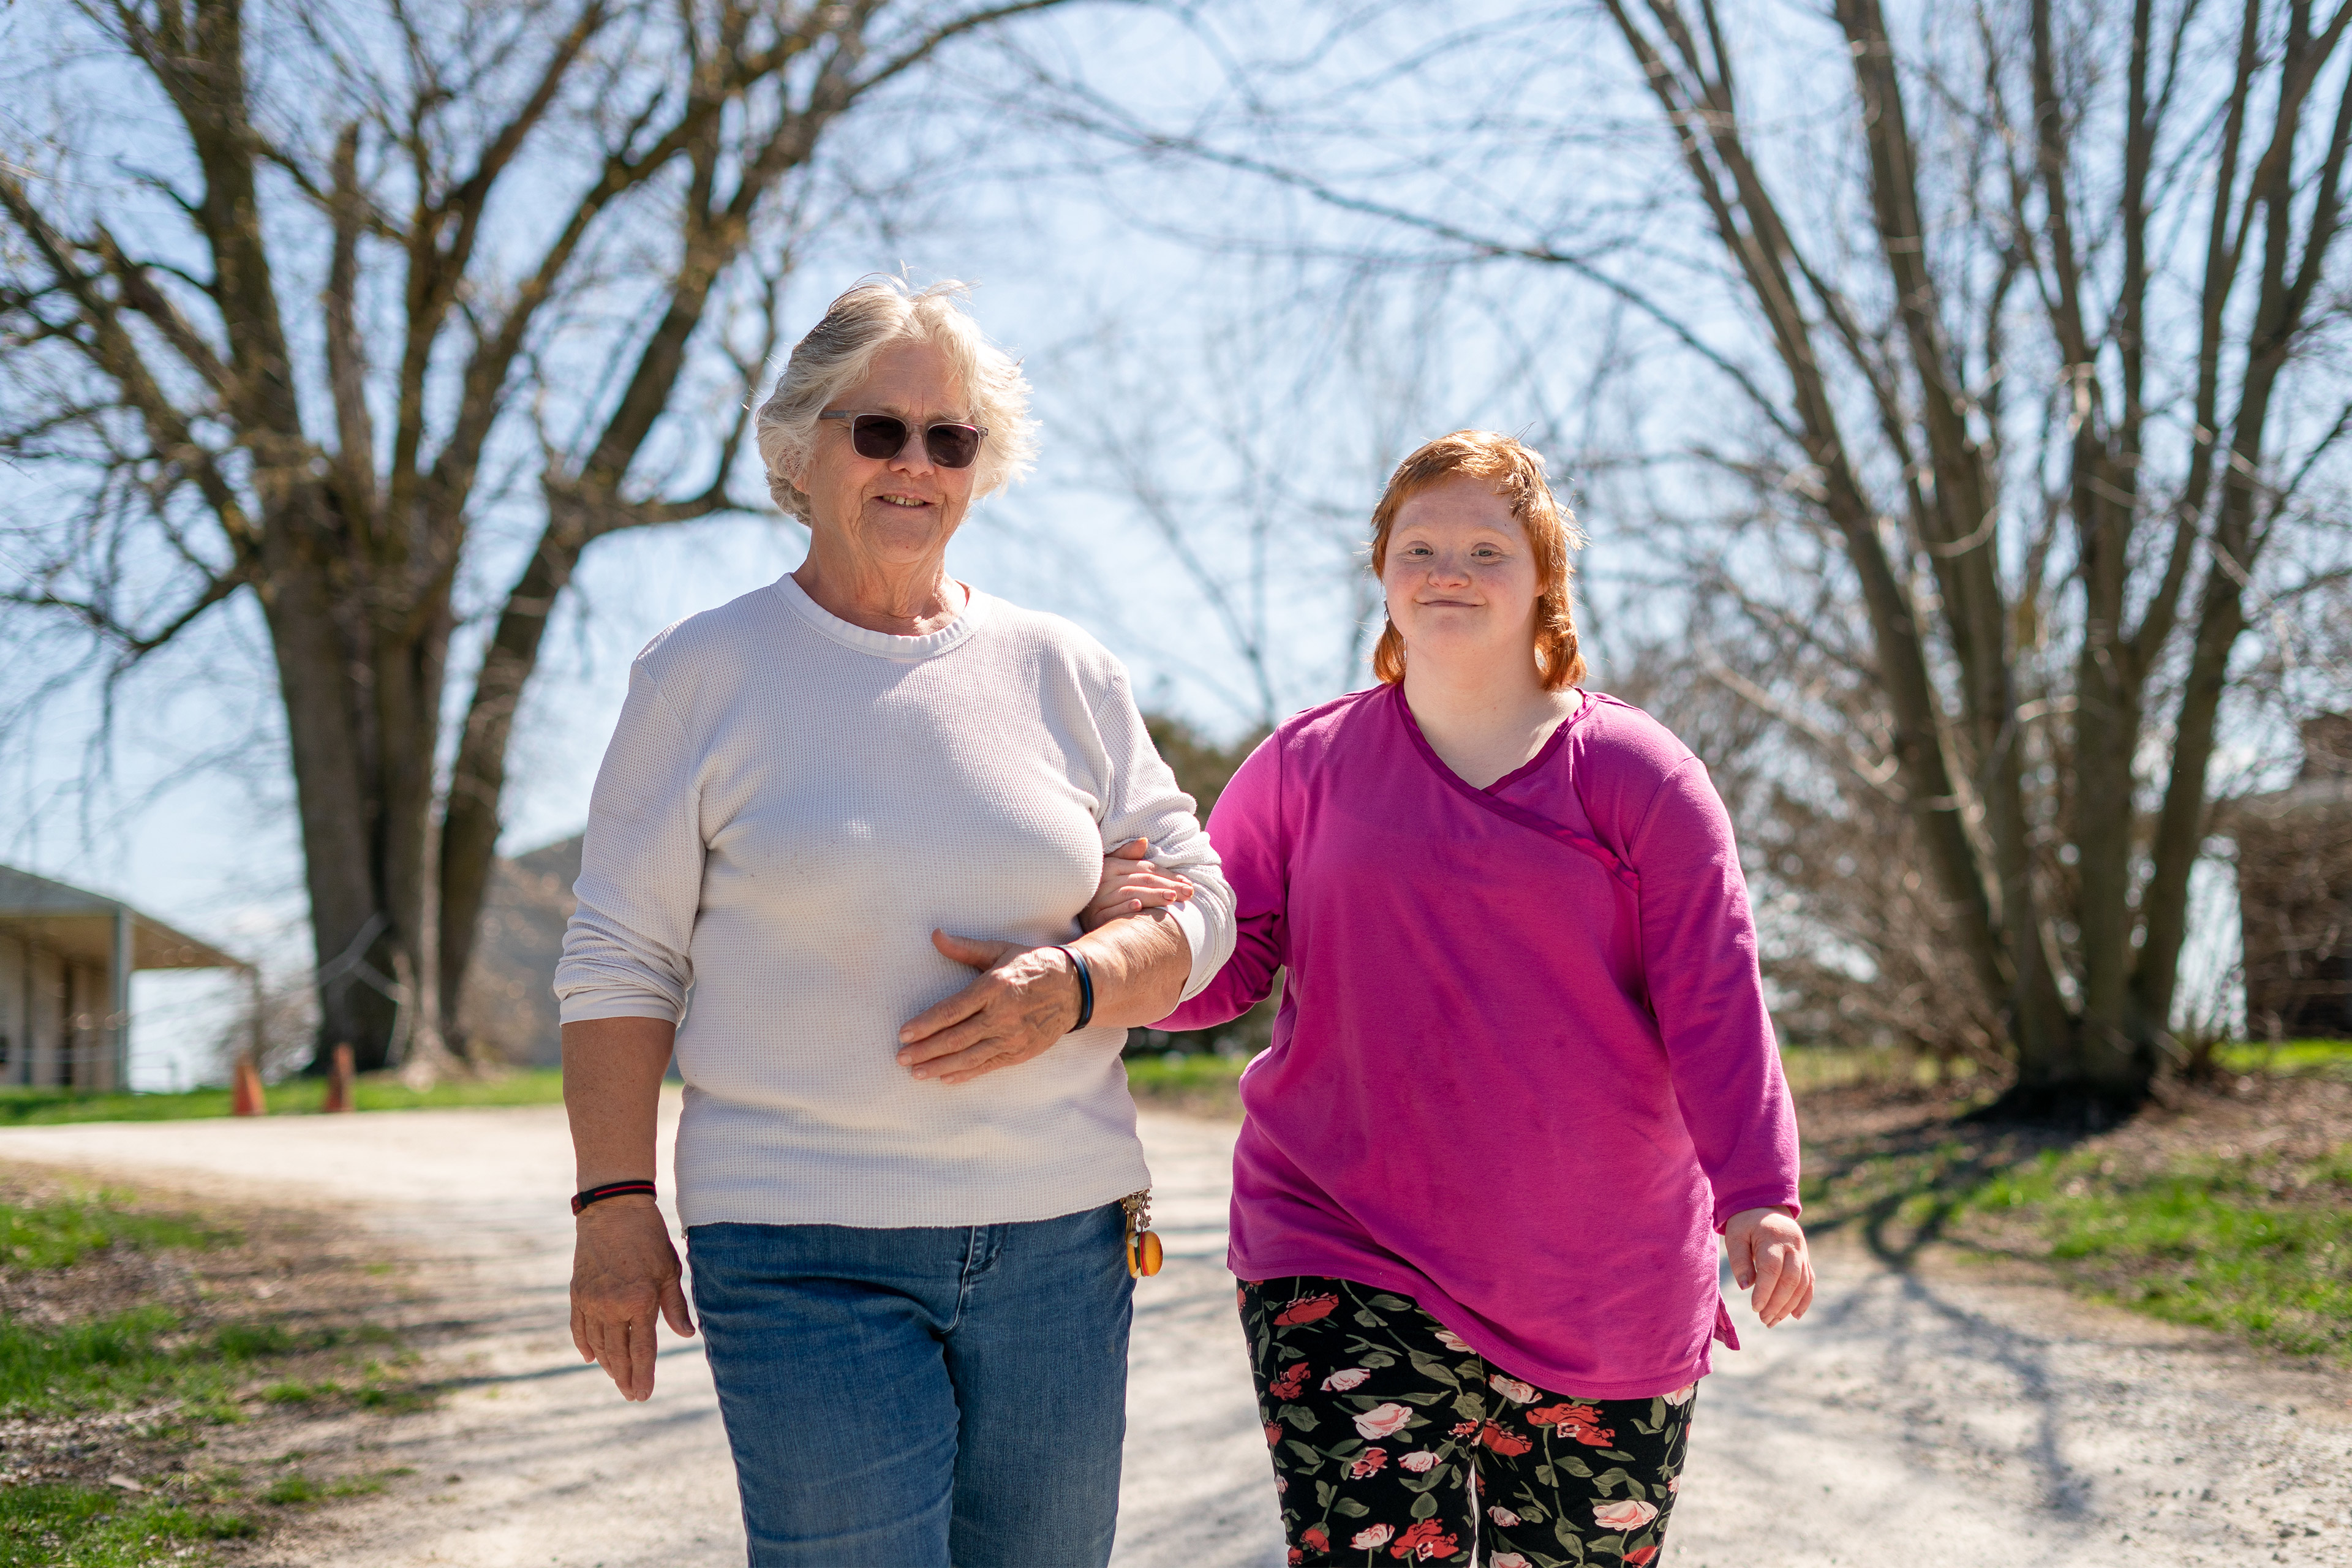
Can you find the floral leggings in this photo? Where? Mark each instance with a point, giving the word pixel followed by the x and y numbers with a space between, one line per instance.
pixel 1390 1434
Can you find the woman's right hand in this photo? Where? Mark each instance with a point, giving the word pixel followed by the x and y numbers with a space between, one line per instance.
pixel 1131 884
pixel 1769 1255
pixel 624 1276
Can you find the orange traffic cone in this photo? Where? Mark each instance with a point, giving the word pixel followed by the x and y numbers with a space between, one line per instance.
pixel 339 1082
pixel 247 1099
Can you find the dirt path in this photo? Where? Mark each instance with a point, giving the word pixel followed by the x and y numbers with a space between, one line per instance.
pixel 1934 1417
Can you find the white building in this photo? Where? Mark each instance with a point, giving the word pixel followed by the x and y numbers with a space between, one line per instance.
pixel 66 962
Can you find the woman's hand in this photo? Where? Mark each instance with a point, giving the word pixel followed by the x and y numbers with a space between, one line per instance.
pixel 625 1276
pixel 1768 1252
pixel 1024 1000
pixel 1131 884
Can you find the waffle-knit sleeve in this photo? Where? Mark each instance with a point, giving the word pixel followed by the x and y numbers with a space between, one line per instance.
pixel 625 952
pixel 1144 802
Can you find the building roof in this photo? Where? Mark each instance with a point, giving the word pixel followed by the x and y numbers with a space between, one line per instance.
pixel 2321 793
pixel 79 924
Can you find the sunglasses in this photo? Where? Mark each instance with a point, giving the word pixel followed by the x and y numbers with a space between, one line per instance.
pixel 884 435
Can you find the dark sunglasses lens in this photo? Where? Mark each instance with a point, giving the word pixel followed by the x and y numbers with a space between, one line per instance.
pixel 877 435
pixel 952 446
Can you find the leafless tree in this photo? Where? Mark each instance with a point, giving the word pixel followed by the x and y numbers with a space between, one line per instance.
pixel 2018 828
pixel 2015 329
pixel 373 273
pixel 1267 538
pixel 1244 451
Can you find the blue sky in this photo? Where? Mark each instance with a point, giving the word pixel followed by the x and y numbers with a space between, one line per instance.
pixel 1202 343
pixel 184 806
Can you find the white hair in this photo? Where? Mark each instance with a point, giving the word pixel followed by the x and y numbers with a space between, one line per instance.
pixel 873 315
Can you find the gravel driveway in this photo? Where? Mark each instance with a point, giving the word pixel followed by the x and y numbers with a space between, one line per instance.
pixel 1937 1416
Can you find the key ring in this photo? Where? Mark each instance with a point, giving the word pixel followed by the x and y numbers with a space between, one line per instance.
pixel 1144 1255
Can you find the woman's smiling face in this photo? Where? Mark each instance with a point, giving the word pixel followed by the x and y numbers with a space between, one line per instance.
pixel 1459 575
pixel 901 508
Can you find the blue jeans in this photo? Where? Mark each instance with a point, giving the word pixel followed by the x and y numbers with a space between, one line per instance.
pixel 946 1397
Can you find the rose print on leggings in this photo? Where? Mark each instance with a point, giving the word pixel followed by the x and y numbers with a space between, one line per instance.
pixel 1381 1459
pixel 1581 1422
pixel 1629 1515
pixel 1424 1542
pixel 1305 1310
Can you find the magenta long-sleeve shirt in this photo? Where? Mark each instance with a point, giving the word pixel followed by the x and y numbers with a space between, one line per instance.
pixel 1522 1069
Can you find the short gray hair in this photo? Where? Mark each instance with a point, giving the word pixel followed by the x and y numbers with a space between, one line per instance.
pixel 838 351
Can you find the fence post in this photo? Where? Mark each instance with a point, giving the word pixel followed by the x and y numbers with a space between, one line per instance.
pixel 339 1082
pixel 247 1099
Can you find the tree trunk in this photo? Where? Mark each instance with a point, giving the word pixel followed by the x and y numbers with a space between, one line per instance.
pixel 356 945
pixel 359 691
pixel 470 825
pixel 579 511
pixel 353 542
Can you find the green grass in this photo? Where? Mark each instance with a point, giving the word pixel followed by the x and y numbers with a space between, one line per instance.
pixel 251 1341
pixel 142 1356
pixel 401 1397
pixel 295 1096
pixel 1811 1068
pixel 123 1358
pixel 56 1234
pixel 2256 1247
pixel 60 1526
pixel 147 1354
pixel 1178 1074
pixel 2287 1056
pixel 296 1393
pixel 150 1357
pixel 1199 1083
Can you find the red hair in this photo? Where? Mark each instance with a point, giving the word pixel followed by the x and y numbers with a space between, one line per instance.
pixel 1516 475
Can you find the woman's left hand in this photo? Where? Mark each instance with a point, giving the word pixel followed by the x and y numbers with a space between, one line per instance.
pixel 1768 1252
pixel 1132 883
pixel 1024 1000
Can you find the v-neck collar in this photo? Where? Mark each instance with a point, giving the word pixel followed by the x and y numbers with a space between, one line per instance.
pixel 1543 753
pixel 1512 811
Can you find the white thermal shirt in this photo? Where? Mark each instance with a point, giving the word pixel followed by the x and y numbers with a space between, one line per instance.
pixel 789 807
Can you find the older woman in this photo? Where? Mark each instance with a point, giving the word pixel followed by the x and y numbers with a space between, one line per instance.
pixel 856 814
pixel 1521 1074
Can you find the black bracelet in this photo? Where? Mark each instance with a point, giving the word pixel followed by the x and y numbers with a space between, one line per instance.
pixel 609 1189
pixel 1085 990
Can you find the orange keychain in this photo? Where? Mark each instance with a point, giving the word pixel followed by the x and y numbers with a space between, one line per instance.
pixel 1143 1254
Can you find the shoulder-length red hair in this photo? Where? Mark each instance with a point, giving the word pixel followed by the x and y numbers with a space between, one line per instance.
pixel 1517 476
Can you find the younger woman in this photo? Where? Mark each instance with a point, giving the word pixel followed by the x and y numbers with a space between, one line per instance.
pixel 1521 1077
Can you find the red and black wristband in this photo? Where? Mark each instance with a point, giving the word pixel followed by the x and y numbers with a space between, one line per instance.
pixel 609 1189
